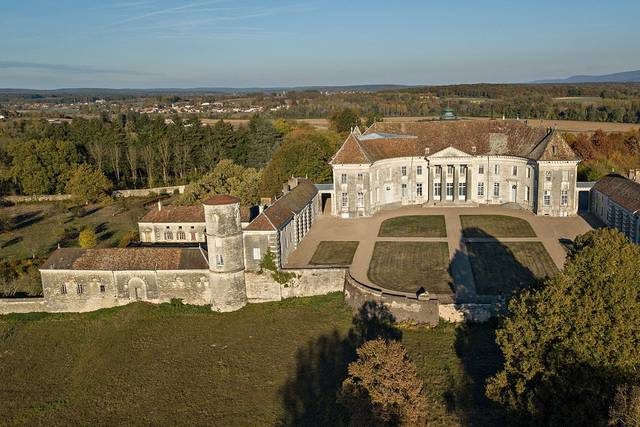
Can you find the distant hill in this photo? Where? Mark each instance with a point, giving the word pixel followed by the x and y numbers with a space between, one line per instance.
pixel 201 90
pixel 623 77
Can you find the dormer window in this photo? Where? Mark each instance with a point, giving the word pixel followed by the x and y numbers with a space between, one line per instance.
pixel 473 149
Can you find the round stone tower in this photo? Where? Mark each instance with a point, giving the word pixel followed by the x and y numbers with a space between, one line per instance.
pixel 225 249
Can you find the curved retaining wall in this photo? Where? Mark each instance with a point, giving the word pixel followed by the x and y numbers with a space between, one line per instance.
pixel 402 306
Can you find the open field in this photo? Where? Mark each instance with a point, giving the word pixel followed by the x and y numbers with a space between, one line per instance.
pixel 495 226
pixel 414 226
pixel 334 253
pixel 562 125
pixel 38 227
pixel 409 266
pixel 507 267
pixel 267 364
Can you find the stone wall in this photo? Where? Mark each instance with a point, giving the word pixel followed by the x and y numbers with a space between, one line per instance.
pixel 402 307
pixel 468 312
pixel 38 198
pixel 142 192
pixel 261 287
pixel 81 291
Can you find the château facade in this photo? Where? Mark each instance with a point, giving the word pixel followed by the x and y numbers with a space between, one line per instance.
pixel 454 163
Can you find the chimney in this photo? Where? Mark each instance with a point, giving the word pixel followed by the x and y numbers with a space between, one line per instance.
pixel 634 175
pixel 159 205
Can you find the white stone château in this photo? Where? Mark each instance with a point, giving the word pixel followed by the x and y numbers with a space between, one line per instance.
pixel 454 163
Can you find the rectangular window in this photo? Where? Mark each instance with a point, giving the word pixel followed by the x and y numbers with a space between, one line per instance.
pixel 168 235
pixel 403 171
pixel 79 289
pixel 63 289
pixel 345 201
pixel 496 169
pixel 438 170
pixel 437 189
pixel 360 200
pixel 547 176
pixel 496 189
pixel 103 289
pixel 359 176
pixel 528 172
pixel 514 171
pixel 257 255
pixel 481 170
pixel 450 170
pixel 565 176
pixel 564 198
pixel 404 190
pixel 343 178
pixel 419 170
pixel 449 189
pixel 462 189
pixel 526 194
pixel 419 189
pixel 463 170
pixel 481 189
pixel 219 260
pixel 546 198
pixel 181 235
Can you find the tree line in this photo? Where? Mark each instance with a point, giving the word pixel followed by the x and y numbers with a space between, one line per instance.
pixel 132 150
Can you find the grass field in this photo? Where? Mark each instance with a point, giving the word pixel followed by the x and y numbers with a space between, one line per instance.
pixel 408 266
pixel 506 267
pixel 267 364
pixel 334 253
pixel 39 227
pixel 414 226
pixel 495 226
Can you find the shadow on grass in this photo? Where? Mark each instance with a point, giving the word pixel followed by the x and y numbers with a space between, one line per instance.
pixel 26 219
pixel 495 268
pixel 11 242
pixel 309 397
pixel 481 358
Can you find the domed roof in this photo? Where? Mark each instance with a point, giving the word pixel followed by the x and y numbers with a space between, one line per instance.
pixel 221 199
pixel 448 115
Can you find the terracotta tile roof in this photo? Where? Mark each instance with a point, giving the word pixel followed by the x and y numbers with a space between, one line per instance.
pixel 195 214
pixel 171 214
pixel 552 148
pixel 350 152
pixel 221 199
pixel 276 216
pixel 122 259
pixel 621 190
pixel 386 140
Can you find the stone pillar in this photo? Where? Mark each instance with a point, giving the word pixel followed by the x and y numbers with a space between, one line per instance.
pixel 225 249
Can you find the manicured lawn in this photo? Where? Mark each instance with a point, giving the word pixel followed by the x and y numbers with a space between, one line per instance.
pixel 508 267
pixel 334 253
pixel 408 266
pixel 495 226
pixel 267 364
pixel 414 226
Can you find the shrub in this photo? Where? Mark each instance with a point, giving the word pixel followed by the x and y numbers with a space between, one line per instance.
pixel 87 238
pixel 129 237
pixel 625 411
pixel 383 387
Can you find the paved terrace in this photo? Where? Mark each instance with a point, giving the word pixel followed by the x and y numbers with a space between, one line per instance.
pixel 549 230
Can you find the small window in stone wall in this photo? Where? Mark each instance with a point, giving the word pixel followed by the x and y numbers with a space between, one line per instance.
pixel 547 176
pixel 219 260
pixel 80 289
pixel 181 235
pixel 168 235
pixel 63 289
pixel 256 254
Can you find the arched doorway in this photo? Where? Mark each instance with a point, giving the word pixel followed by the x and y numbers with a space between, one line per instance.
pixel 137 289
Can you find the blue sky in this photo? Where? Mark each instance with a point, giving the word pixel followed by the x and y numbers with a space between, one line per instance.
pixel 244 43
